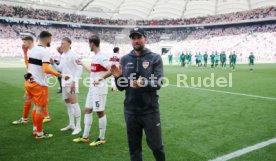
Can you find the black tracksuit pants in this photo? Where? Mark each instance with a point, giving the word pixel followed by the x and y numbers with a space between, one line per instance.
pixel 150 123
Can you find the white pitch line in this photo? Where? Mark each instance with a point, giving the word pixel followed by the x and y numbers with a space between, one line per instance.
pixel 233 93
pixel 245 150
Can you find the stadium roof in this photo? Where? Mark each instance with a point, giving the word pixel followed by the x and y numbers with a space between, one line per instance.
pixel 144 9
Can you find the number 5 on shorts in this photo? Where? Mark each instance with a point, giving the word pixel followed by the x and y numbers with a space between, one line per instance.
pixel 97 104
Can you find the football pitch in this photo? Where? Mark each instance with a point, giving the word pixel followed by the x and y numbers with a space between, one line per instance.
pixel 198 124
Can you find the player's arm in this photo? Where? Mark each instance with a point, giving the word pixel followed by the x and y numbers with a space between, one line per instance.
pixel 26 59
pixel 46 68
pixel 107 64
pixel 78 68
pixel 88 69
pixel 79 62
pixel 108 74
pixel 76 76
pixel 78 73
pixel 25 55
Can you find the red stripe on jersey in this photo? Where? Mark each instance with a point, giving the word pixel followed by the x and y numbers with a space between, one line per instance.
pixel 114 59
pixel 97 68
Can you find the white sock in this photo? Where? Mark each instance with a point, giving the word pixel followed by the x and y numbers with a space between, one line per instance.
pixel 70 111
pixel 102 126
pixel 77 114
pixel 88 119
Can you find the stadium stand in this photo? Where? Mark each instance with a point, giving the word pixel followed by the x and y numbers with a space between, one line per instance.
pixel 230 37
pixel 42 14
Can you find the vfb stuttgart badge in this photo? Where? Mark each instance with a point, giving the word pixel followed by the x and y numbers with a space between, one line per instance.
pixel 145 64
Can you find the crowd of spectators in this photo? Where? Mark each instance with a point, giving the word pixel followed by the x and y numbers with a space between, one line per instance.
pixel 42 14
pixel 259 39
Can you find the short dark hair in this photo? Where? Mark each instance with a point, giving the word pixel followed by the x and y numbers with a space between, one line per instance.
pixel 67 39
pixel 116 49
pixel 30 38
pixel 44 34
pixel 95 40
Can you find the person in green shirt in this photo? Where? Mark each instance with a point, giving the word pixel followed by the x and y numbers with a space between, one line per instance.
pixel 196 59
pixel 216 59
pixel 170 56
pixel 233 61
pixel 182 59
pixel 212 59
pixel 230 58
pixel 251 61
pixel 220 58
pixel 199 59
pixel 205 59
pixel 223 60
pixel 187 57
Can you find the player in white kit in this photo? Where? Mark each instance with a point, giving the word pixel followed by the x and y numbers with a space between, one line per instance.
pixel 96 98
pixel 116 60
pixel 70 88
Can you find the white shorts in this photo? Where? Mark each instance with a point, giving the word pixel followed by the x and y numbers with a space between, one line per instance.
pixel 96 102
pixel 66 92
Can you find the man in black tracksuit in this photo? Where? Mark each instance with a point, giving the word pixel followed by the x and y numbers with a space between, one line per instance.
pixel 140 75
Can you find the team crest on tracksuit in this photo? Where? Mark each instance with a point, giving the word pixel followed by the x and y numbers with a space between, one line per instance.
pixel 145 64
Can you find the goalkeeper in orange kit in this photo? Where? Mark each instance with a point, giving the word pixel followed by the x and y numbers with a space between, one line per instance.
pixel 28 44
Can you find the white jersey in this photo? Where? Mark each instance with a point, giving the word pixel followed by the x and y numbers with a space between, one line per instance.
pixel 100 63
pixel 37 56
pixel 69 67
pixel 115 58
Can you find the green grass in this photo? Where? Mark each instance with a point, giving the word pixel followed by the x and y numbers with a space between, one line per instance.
pixel 197 125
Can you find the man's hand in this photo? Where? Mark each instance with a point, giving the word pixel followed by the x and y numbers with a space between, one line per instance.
pixel 25 49
pixel 140 82
pixel 96 82
pixel 116 70
pixel 52 61
pixel 137 83
pixel 73 88
pixel 133 84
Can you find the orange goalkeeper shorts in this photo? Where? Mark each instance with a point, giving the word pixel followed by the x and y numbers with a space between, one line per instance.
pixel 37 93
